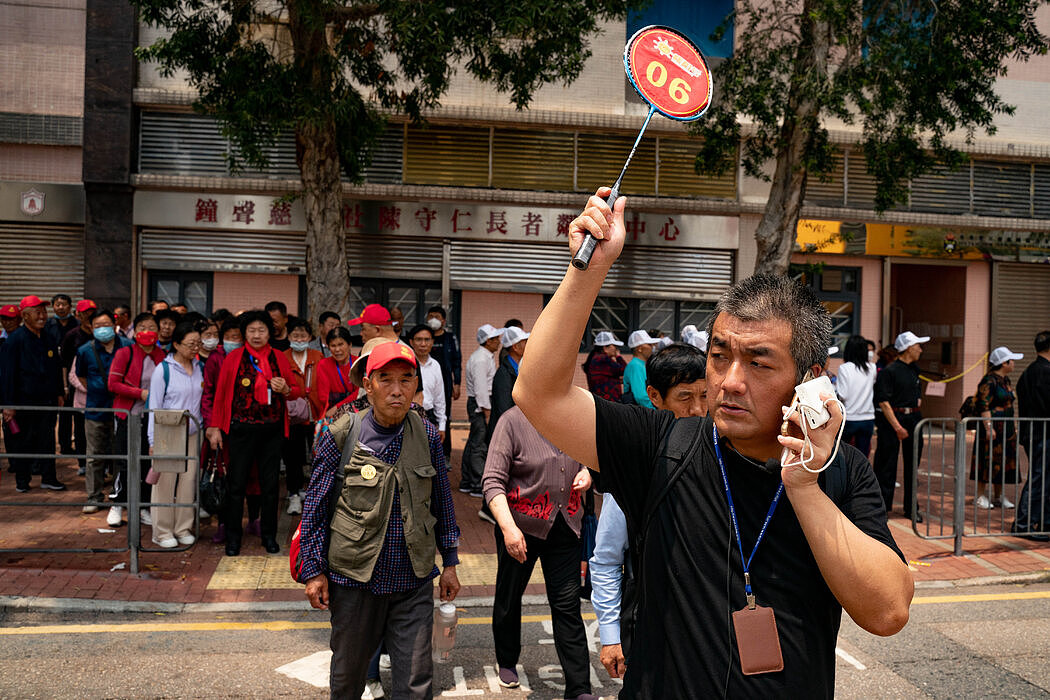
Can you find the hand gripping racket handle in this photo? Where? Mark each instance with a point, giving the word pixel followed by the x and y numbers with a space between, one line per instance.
pixel 583 256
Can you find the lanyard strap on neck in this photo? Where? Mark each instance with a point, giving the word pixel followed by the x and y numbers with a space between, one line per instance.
pixel 736 527
pixel 341 378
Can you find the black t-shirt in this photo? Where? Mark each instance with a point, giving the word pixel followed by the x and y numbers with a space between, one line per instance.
pixel 693 577
pixel 899 384
pixel 281 344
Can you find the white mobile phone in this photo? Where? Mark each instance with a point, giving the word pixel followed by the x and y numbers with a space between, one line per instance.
pixel 810 404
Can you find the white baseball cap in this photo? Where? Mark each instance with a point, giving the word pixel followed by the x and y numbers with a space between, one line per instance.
pixel 698 339
pixel 640 338
pixel 906 339
pixel 662 343
pixel 512 335
pixel 487 332
pixel 833 350
pixel 606 338
pixel 1002 354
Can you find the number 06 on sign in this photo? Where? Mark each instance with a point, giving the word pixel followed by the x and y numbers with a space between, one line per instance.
pixel 672 76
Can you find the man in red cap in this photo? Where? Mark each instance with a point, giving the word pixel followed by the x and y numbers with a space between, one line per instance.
pixel 378 509
pixel 30 375
pixel 375 322
pixel 10 319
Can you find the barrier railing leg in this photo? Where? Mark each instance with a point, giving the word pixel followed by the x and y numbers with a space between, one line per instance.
pixel 134 485
pixel 961 474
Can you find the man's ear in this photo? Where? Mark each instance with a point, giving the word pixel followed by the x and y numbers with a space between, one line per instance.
pixel 816 370
pixel 654 396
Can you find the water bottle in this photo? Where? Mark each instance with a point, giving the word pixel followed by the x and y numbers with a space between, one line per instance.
pixel 445 617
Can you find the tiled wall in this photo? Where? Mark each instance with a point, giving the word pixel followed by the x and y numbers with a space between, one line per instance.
pixel 42 57
pixel 239 291
pixel 35 163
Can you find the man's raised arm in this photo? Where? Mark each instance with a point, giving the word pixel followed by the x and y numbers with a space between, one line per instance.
pixel 564 413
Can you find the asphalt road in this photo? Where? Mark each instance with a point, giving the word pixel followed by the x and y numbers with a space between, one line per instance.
pixel 976 642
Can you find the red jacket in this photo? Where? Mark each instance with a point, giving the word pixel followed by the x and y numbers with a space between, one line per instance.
pixel 307 380
pixel 125 375
pixel 328 383
pixel 222 412
pixel 211 379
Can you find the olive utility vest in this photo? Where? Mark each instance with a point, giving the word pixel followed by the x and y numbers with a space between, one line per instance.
pixel 363 510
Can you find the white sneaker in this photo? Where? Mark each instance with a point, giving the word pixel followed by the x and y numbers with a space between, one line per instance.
pixel 203 513
pixel 167 542
pixel 373 691
pixel 1007 503
pixel 295 505
pixel 983 502
pixel 115 516
pixel 144 516
pixel 186 539
pixel 384 661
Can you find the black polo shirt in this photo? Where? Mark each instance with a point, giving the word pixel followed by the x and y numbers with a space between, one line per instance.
pixel 899 384
pixel 684 645
pixel 30 370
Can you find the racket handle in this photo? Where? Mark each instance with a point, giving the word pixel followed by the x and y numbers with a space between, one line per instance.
pixel 583 256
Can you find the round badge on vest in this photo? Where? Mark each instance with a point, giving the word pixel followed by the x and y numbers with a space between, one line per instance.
pixel 368 472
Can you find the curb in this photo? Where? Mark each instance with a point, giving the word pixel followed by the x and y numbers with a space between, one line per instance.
pixel 1003 580
pixel 28 604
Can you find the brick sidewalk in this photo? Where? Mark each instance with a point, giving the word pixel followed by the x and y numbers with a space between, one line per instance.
pixel 203 574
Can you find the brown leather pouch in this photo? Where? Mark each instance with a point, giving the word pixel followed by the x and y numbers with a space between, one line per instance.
pixel 757 640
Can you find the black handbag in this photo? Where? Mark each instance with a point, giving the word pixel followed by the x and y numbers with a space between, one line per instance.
pixel 213 484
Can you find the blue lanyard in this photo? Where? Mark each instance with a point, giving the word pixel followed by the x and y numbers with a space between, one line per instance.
pixel 254 363
pixel 341 376
pixel 736 526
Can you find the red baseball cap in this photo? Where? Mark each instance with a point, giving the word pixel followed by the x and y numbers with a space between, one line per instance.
pixel 375 314
pixel 9 311
pixel 85 304
pixel 383 355
pixel 31 301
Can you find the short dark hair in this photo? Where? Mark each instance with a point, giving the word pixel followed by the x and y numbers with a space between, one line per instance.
pixel 678 363
pixel 297 322
pixel 325 315
pixel 65 297
pixel 249 317
pixel 154 302
pixel 220 316
pixel 144 316
pixel 276 306
pixel 124 307
pixel 1042 341
pixel 339 332
pixel 95 313
pixel 777 297
pixel 193 317
pixel 857 352
pixel 513 322
pixel 437 310
pixel 183 329
pixel 167 314
pixel 233 323
pixel 417 328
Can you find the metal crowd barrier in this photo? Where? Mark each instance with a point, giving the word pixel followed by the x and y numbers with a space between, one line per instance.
pixel 946 453
pixel 135 459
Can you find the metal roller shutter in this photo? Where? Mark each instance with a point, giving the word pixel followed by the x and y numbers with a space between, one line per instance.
pixel 447 155
pixel 230 251
pixel 942 191
pixel 641 272
pixel 601 157
pixel 394 258
pixel 860 186
pixel 1002 189
pixel 1020 306
pixel 829 193
pixel 59 271
pixel 532 160
pixel 677 175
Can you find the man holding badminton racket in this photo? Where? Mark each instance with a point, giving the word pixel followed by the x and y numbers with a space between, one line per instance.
pixel 753 533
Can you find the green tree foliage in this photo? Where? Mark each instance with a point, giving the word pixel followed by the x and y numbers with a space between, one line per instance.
pixel 913 74
pixel 330 71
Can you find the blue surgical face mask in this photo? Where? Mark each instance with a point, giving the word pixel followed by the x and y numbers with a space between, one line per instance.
pixel 104 334
pixel 230 345
pixel 299 346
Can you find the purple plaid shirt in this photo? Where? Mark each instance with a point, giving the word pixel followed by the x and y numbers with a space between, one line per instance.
pixel 393 571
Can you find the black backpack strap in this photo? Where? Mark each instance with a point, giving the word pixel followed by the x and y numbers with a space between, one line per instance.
pixel 679 445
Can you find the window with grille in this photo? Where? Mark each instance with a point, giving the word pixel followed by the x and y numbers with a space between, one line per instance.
pixel 838 289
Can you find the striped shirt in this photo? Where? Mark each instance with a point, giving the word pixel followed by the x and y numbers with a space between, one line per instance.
pixel 393 571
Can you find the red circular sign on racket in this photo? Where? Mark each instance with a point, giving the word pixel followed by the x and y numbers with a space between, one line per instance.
pixel 669 72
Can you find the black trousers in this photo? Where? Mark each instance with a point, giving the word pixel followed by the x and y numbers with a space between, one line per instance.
pixel 559 556
pixel 260 443
pixel 475 451
pixel 295 453
pixel 36 434
pixel 120 440
pixel 72 435
pixel 885 462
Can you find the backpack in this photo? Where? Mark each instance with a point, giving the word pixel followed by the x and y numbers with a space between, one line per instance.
pixel 344 431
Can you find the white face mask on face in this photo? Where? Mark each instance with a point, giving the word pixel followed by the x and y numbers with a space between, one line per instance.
pixel 434 323
pixel 210 343
pixel 871 355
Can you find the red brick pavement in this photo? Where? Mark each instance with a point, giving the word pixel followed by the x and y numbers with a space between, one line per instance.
pixel 182 577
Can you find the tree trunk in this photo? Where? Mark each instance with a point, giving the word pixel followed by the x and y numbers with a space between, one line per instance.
pixel 327 269
pixel 317 154
pixel 776 233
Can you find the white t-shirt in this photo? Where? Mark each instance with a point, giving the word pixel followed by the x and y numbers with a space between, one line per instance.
pixel 434 390
pixel 856 389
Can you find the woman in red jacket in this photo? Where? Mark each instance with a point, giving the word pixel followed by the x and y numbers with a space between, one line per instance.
pixel 129 378
pixel 334 384
pixel 303 360
pixel 250 415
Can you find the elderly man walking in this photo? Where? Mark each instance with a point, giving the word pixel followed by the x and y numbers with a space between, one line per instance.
pixel 378 509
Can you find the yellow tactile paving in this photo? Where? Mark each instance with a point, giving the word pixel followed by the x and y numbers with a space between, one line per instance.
pixel 259 573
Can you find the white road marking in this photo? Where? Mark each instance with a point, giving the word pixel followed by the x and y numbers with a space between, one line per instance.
pixel 312 669
pixel 493 678
pixel 461 690
pixel 850 659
